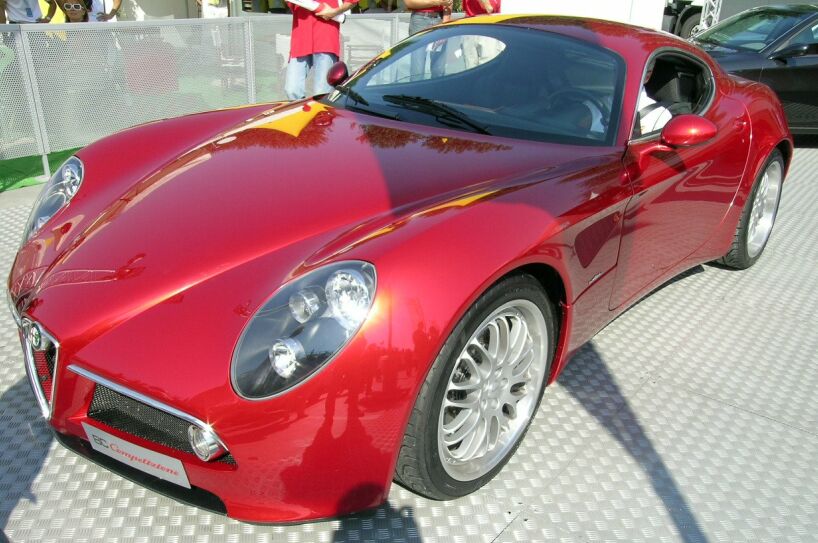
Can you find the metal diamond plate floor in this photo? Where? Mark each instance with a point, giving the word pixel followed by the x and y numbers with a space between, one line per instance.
pixel 693 417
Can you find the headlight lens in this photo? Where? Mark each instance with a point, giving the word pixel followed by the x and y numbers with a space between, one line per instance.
pixel 301 328
pixel 348 298
pixel 59 190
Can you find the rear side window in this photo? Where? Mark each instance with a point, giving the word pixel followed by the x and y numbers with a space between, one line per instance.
pixel 808 36
pixel 674 84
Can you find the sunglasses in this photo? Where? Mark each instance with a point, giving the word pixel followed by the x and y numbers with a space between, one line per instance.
pixel 73 7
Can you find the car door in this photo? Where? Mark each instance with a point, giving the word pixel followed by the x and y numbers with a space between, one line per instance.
pixel 680 195
pixel 793 74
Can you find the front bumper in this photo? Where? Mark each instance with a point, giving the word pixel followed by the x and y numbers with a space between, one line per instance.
pixel 192 496
pixel 327 451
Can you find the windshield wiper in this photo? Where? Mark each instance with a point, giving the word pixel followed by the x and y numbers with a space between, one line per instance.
pixel 372 112
pixel 361 101
pixel 441 111
pixel 346 91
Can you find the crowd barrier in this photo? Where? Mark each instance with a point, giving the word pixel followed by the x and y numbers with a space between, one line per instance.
pixel 64 86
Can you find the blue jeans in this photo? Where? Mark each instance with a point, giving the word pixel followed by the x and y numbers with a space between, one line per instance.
pixel 437 59
pixel 296 81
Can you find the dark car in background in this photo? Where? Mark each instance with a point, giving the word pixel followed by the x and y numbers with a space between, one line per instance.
pixel 778 46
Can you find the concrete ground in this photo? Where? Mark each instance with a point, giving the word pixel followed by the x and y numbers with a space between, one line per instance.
pixel 693 417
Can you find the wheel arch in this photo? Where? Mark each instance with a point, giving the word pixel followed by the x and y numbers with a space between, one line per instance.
pixel 786 148
pixel 551 280
pixel 769 130
pixel 554 285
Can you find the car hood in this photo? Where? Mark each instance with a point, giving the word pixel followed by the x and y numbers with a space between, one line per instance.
pixel 286 180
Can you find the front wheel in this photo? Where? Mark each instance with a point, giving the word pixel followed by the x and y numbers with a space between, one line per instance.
pixel 758 217
pixel 481 393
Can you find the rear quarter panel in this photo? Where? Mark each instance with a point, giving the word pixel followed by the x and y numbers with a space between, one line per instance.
pixel 768 131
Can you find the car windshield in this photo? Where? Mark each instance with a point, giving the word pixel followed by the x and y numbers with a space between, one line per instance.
pixel 751 30
pixel 499 80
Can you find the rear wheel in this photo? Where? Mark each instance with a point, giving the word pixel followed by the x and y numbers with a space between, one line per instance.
pixel 758 217
pixel 481 393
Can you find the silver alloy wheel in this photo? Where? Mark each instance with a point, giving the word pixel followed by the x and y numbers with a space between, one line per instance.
pixel 493 390
pixel 765 207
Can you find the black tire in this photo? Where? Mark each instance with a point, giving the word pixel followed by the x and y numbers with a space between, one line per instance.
pixel 691 22
pixel 738 256
pixel 419 467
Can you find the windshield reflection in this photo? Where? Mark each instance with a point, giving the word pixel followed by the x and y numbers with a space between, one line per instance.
pixel 494 80
pixel 751 30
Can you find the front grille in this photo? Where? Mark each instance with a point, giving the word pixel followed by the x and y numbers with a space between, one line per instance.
pixel 41 364
pixel 44 362
pixel 136 418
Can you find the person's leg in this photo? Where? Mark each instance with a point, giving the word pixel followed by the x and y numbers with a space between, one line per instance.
pixel 418 22
pixel 417 65
pixel 296 80
pixel 322 62
pixel 437 60
pixel 471 54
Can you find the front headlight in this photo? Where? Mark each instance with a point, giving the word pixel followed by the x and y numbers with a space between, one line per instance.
pixel 301 328
pixel 56 194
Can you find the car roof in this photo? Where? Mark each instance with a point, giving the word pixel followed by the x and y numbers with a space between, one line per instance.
pixel 563 23
pixel 634 43
pixel 796 9
pixel 613 35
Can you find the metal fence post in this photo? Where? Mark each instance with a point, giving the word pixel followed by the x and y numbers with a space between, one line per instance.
pixel 35 105
pixel 395 30
pixel 250 60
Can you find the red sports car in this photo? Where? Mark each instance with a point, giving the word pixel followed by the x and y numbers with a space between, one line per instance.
pixel 274 311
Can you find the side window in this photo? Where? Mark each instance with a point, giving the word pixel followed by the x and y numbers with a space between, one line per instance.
pixel 673 85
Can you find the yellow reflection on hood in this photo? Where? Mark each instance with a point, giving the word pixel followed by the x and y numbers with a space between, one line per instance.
pixel 293 121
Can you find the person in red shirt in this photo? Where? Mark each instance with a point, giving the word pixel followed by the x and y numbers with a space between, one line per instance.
pixel 315 43
pixel 481 7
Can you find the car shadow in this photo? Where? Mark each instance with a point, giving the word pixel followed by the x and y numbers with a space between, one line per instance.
pixel 603 399
pixel 384 523
pixel 682 276
pixel 26 441
pixel 806 141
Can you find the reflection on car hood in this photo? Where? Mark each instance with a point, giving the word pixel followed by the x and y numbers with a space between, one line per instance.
pixel 294 176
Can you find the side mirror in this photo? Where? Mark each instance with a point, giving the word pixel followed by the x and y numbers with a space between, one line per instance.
pixel 791 51
pixel 680 131
pixel 687 130
pixel 337 74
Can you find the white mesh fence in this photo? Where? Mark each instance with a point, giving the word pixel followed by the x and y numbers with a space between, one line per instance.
pixel 64 86
pixel 19 134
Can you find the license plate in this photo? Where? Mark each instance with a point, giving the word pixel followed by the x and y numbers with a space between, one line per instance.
pixel 151 462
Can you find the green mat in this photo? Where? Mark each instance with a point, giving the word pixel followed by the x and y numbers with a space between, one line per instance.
pixel 22 172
